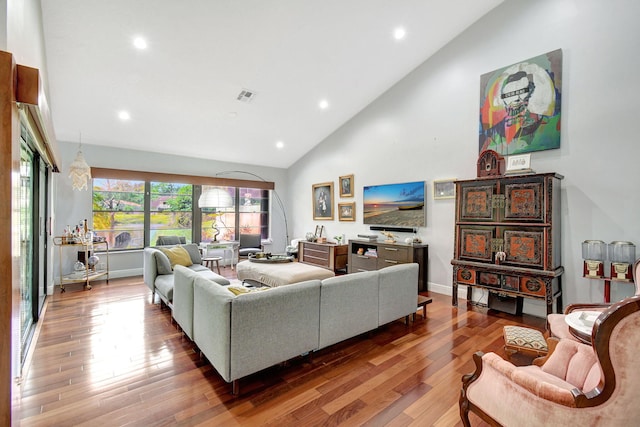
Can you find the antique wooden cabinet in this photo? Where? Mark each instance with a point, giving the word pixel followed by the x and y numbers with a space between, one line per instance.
pixel 368 256
pixel 326 255
pixel 507 237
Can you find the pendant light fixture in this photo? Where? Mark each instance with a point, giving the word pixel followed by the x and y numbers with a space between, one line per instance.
pixel 79 171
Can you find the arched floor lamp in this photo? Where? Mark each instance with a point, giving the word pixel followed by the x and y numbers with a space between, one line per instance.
pixel 275 194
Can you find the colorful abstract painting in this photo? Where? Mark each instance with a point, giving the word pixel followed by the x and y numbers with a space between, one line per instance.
pixel 520 106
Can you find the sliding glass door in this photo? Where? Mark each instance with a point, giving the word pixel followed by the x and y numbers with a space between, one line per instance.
pixel 34 183
pixel 26 248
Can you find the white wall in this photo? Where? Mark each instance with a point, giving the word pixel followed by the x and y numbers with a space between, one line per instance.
pixel 73 206
pixel 426 128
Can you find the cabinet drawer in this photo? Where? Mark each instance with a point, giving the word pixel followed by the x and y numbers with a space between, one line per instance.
pixel 532 286
pixel 489 279
pixel 393 254
pixel 317 250
pixel 321 261
pixel 466 275
pixel 388 262
pixel 362 263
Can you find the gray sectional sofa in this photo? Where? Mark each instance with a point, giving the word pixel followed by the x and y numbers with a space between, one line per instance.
pixel 158 273
pixel 243 334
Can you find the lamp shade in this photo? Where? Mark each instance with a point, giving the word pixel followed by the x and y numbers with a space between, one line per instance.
pixel 215 197
pixel 79 172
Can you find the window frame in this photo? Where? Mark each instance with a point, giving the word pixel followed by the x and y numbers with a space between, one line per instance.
pixel 197 182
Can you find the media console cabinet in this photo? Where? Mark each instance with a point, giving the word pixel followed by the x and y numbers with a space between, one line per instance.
pixel 368 256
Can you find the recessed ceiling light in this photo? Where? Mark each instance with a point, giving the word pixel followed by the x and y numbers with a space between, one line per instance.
pixel 399 33
pixel 140 43
pixel 280 145
pixel 323 104
pixel 124 115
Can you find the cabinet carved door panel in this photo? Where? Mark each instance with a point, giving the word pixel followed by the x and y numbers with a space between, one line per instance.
pixel 477 203
pixel 476 243
pixel 524 247
pixel 524 201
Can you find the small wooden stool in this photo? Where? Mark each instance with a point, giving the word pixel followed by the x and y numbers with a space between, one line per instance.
pixel 422 302
pixel 209 261
pixel 526 340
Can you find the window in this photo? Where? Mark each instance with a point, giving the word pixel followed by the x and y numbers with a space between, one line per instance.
pixel 254 211
pixel 132 213
pixel 249 214
pixel 219 222
pixel 118 212
pixel 171 210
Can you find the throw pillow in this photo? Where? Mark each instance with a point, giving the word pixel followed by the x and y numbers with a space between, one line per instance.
pixel 163 265
pixel 177 256
pixel 194 253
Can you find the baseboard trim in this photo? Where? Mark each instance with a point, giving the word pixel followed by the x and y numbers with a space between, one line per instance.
pixel 448 290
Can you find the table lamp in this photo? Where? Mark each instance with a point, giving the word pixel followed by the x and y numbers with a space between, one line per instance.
pixel 594 253
pixel 622 255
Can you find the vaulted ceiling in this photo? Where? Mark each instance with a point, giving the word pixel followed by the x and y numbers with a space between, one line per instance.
pixel 181 91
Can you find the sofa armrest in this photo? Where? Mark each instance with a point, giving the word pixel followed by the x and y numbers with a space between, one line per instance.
pixel 212 324
pixel 149 268
pixel 398 292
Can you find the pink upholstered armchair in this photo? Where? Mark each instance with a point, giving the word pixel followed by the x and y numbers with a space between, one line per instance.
pixel 578 384
pixel 556 324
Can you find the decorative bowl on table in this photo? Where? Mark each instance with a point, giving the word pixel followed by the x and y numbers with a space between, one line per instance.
pixel 271 258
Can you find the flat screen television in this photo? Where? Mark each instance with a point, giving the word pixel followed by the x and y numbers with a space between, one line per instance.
pixel 399 205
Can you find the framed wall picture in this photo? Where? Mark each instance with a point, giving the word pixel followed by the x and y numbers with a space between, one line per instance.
pixel 444 189
pixel 520 106
pixel 322 199
pixel 347 211
pixel 346 186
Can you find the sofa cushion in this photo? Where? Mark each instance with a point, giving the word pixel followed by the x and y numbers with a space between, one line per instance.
pixel 177 255
pixel 207 273
pixel 163 265
pixel 194 253
pixel 164 285
pixel 349 306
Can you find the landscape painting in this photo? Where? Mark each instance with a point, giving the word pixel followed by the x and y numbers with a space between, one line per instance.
pixel 395 204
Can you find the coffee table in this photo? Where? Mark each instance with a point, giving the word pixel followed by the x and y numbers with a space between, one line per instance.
pixel 280 273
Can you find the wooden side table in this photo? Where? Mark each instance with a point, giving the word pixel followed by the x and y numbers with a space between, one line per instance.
pixel 209 261
pixel 422 302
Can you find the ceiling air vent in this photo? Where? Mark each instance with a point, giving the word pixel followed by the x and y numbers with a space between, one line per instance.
pixel 246 95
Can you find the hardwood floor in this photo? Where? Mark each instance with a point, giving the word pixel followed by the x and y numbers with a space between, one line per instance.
pixel 110 357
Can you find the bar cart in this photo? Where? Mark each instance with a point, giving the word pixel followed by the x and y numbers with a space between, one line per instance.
pixel 89 272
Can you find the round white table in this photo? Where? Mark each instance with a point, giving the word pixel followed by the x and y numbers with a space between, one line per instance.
pixel 581 324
